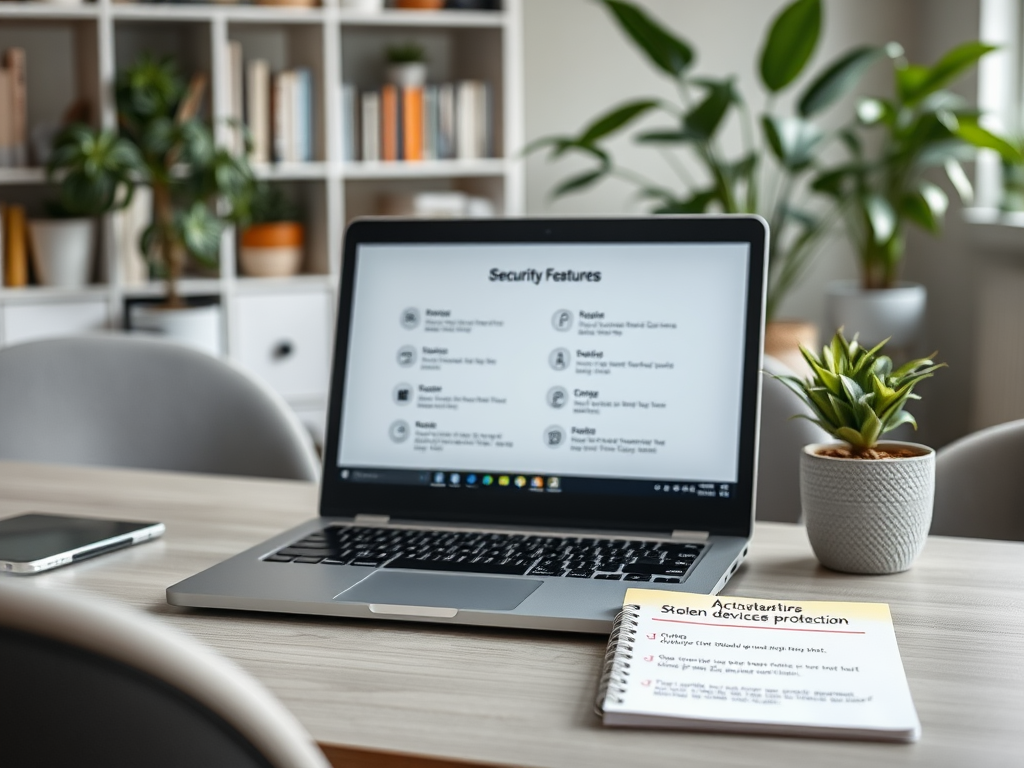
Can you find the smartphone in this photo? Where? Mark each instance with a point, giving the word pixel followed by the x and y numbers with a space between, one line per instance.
pixel 36 542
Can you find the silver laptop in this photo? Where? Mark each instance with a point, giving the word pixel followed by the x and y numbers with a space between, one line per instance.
pixel 527 417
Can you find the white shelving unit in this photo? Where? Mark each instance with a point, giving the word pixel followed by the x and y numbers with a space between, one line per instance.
pixel 279 328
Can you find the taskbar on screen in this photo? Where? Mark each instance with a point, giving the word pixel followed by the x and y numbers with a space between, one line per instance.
pixel 508 482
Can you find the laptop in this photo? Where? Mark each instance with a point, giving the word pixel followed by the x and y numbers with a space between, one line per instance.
pixel 527 417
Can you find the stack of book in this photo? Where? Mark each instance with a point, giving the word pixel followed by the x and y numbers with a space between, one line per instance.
pixel 276 107
pixel 431 122
pixel 13 110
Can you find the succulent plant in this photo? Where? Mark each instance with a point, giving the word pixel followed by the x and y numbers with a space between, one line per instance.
pixel 855 394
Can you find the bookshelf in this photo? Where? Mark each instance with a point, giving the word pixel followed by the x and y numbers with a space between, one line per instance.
pixel 74 53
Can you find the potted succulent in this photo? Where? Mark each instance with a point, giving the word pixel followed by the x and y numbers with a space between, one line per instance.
pixel 883 186
pixel 198 190
pixel 94 172
pixel 407 65
pixel 867 503
pixel 789 142
pixel 272 244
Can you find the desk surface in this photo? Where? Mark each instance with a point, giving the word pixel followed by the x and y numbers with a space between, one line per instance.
pixel 394 694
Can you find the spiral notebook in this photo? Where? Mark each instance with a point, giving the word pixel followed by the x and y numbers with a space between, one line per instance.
pixel 751 665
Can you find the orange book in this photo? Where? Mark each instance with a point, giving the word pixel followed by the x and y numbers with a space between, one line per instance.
pixel 16 253
pixel 389 122
pixel 412 123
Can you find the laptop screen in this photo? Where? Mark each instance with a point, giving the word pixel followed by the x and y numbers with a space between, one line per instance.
pixel 490 372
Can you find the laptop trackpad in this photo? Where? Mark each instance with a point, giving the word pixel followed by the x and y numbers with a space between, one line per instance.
pixel 386 590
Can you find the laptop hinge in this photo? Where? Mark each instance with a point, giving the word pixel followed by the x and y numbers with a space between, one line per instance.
pixel 372 519
pixel 691 535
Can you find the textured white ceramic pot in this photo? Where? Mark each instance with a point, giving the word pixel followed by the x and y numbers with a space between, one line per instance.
pixel 877 314
pixel 62 251
pixel 409 74
pixel 867 515
pixel 196 327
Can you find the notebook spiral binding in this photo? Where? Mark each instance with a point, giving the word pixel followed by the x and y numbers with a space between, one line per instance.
pixel 616 659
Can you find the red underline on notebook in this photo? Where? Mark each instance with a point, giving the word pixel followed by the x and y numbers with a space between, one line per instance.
pixel 777 629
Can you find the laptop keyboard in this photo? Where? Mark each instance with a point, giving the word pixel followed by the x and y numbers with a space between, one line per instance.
pixel 496 553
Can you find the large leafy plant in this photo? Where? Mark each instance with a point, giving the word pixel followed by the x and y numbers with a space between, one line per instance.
pixel 779 147
pixel 198 187
pixel 95 170
pixel 855 394
pixel 883 185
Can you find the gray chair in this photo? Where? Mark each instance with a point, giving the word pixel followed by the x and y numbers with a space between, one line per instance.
pixel 92 684
pixel 128 402
pixel 779 446
pixel 979 485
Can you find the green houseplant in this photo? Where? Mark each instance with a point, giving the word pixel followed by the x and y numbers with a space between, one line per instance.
pixel 886 183
pixel 780 150
pixel 94 176
pixel 867 504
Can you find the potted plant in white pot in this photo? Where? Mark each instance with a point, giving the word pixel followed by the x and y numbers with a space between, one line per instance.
pixel 94 173
pixel 198 190
pixel 884 185
pixel 867 503
pixel 406 65
pixel 780 150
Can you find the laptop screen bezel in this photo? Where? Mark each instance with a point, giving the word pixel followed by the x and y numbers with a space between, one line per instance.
pixel 733 516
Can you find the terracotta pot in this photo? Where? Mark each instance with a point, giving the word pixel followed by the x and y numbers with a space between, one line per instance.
pixel 867 515
pixel 782 340
pixel 272 250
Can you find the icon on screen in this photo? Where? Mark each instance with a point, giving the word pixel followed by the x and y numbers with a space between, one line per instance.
pixel 503 481
pixel 410 318
pixel 344 474
pixel 399 431
pixel 439 477
pixel 554 436
pixel 554 484
pixel 562 320
pixel 402 394
pixel 520 481
pixel 406 355
pixel 487 480
pixel 470 479
pixel 557 397
pixel 454 478
pixel 657 487
pixel 559 359
pixel 537 482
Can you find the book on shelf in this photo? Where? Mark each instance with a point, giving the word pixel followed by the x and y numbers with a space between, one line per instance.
pixel 746 665
pixel 15 247
pixel 437 121
pixel 257 107
pixel 347 120
pixel 277 107
pixel 13 109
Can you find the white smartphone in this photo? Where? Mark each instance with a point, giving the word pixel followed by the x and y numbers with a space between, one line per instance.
pixel 36 542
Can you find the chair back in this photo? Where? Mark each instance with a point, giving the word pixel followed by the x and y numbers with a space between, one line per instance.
pixel 91 684
pixel 130 402
pixel 781 440
pixel 979 485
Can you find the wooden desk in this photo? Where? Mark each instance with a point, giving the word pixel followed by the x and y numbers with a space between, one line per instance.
pixel 393 694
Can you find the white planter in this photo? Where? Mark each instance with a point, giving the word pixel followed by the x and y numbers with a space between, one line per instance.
pixel 412 74
pixel 867 515
pixel 363 6
pixel 877 314
pixel 62 251
pixel 196 327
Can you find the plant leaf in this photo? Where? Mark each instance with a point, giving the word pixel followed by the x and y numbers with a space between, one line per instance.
pixel 665 50
pixel 922 81
pixel 615 119
pixel 792 139
pixel 576 183
pixel 791 41
pixel 838 80
pixel 704 119
pixel 958 178
pixel 698 203
pixel 974 134
pixel 926 206
pixel 881 217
